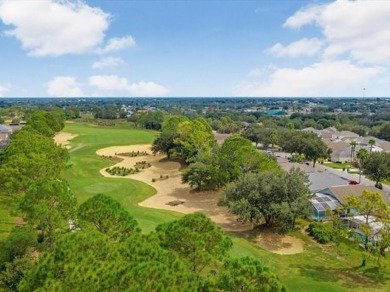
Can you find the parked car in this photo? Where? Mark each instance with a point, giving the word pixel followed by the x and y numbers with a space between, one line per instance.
pixel 353 182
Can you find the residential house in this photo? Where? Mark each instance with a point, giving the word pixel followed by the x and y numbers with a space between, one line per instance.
pixel 334 197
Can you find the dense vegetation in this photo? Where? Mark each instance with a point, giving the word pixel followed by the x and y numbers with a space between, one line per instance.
pixel 225 115
pixel 99 245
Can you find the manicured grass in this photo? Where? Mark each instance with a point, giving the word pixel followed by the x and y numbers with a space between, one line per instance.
pixel 338 165
pixel 318 268
pixel 85 180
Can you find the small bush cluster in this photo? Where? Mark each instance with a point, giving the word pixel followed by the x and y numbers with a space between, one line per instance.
pixel 133 153
pixel 297 158
pixel 112 158
pixel 121 171
pixel 142 165
pixel 319 232
pixel 162 177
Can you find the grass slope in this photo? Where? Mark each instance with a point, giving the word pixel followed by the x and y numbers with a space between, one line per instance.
pixel 318 268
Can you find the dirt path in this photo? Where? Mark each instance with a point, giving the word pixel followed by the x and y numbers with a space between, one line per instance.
pixel 172 190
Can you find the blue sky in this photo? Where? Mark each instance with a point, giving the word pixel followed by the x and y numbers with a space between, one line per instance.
pixel 194 48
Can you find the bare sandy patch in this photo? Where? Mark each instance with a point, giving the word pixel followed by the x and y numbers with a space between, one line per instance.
pixel 279 244
pixel 171 193
pixel 63 139
pixel 19 221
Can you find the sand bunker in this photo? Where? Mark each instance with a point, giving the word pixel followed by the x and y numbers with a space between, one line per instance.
pixel 172 189
pixel 63 139
pixel 279 244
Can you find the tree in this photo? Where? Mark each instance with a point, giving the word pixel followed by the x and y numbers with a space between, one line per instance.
pixel 247 274
pixel 196 239
pixel 48 205
pixel 28 157
pixel 269 196
pixel 194 137
pixel 90 261
pixel 14 272
pixel 371 142
pixel 377 166
pixel 384 131
pixel 45 123
pixel 108 217
pixel 353 145
pixel 228 160
pixel 314 149
pixel 369 205
pixel 200 175
pixel 249 159
pixel 253 133
pixel 361 156
pixel 273 137
pixel 165 143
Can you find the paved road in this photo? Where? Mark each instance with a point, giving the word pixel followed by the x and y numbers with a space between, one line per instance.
pixel 283 161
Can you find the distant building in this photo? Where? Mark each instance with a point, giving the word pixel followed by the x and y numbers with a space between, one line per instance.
pixel 276 113
pixel 5 129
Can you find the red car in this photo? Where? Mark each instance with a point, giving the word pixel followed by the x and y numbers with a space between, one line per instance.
pixel 353 182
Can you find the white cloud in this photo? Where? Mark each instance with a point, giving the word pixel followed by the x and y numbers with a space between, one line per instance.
pixel 116 44
pixel 303 47
pixel 55 28
pixel 148 89
pixel 327 78
pixel 109 82
pixel 357 28
pixel 119 86
pixel 3 90
pixel 107 63
pixel 256 72
pixel 304 16
pixel 64 86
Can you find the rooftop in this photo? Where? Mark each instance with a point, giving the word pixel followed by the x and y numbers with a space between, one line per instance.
pixel 340 192
pixel 320 181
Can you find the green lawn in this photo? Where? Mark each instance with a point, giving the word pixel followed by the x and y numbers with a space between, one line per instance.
pixel 337 165
pixel 316 269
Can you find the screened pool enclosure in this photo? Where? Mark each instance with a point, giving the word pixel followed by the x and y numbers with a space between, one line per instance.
pixel 321 202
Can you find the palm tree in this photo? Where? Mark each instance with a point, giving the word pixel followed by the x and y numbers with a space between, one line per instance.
pixel 353 145
pixel 372 143
pixel 362 156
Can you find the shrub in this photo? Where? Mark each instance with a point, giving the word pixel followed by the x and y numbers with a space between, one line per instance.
pixel 297 158
pixel 142 164
pixel 134 153
pixel 121 171
pixel 319 232
pixel 153 180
